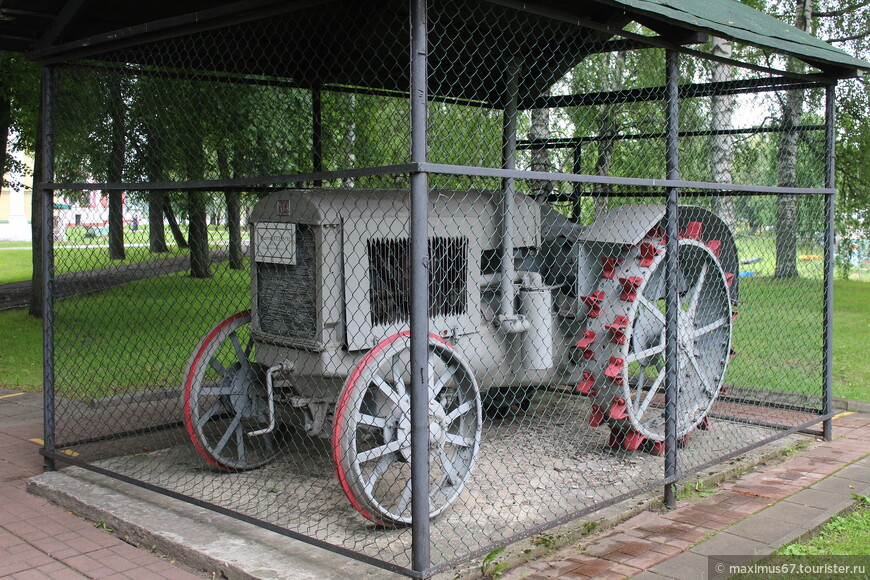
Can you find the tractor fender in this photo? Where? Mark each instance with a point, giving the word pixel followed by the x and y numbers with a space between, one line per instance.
pixel 627 225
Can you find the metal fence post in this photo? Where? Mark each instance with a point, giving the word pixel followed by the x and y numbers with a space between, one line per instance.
pixel 828 316
pixel 419 299
pixel 47 176
pixel 671 275
pixel 317 132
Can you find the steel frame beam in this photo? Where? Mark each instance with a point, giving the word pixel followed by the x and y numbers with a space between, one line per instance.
pixel 828 314
pixel 168 28
pixel 46 129
pixel 689 91
pixel 66 17
pixel 571 142
pixel 419 300
pixel 672 263
pixel 438 169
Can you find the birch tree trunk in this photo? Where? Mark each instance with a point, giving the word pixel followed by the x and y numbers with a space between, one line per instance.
pixel 786 205
pixel 722 146
pixel 540 155
pixel 608 127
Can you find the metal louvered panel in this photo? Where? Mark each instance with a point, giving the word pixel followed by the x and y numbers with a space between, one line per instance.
pixel 287 294
pixel 390 286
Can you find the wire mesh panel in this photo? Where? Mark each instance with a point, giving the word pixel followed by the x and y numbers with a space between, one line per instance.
pixel 235 266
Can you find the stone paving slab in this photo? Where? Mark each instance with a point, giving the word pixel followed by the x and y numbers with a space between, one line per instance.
pixel 767 530
pixel 684 565
pixel 793 514
pixel 761 511
pixel 728 544
pixel 821 499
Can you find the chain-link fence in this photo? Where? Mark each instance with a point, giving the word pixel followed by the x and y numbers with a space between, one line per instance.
pixel 238 231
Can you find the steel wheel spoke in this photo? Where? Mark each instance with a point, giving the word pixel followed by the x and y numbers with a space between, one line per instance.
pixel 698 372
pixel 397 370
pixel 431 374
pixel 459 440
pixel 651 393
pixel 386 389
pixel 379 451
pixel 248 348
pixel 452 473
pixel 372 420
pixel 709 328
pixel 651 307
pixel 405 498
pixel 240 354
pixel 638 391
pixel 217 366
pixel 380 469
pixel 693 303
pixel 206 417
pixel 442 381
pixel 240 444
pixel 458 411
pixel 644 354
pixel 234 425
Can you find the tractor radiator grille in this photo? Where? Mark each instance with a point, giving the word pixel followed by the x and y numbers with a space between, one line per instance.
pixel 286 294
pixel 391 288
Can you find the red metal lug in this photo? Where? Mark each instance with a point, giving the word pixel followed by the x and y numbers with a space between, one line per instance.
pixel 596 416
pixel 732 353
pixel 704 425
pixel 656 448
pixel 632 440
pixel 729 277
pixel 614 370
pixel 617 329
pixel 588 339
pixel 629 287
pixel 610 265
pixel 617 410
pixel 715 247
pixel 734 314
pixel 593 301
pixel 585 387
pixel 648 252
pixel 693 231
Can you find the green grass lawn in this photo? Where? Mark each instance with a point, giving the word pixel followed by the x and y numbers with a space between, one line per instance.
pixel 143 331
pixel 17 265
pixel 847 535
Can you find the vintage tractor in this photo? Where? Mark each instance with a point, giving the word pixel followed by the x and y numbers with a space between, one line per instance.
pixel 520 298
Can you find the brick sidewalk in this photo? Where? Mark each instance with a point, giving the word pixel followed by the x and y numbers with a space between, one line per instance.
pixel 757 514
pixel 38 540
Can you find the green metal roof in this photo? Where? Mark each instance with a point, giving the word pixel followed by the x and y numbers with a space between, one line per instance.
pixel 731 19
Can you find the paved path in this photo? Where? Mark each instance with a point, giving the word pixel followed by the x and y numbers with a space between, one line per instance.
pixel 760 512
pixel 17 294
pixel 756 514
pixel 41 540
